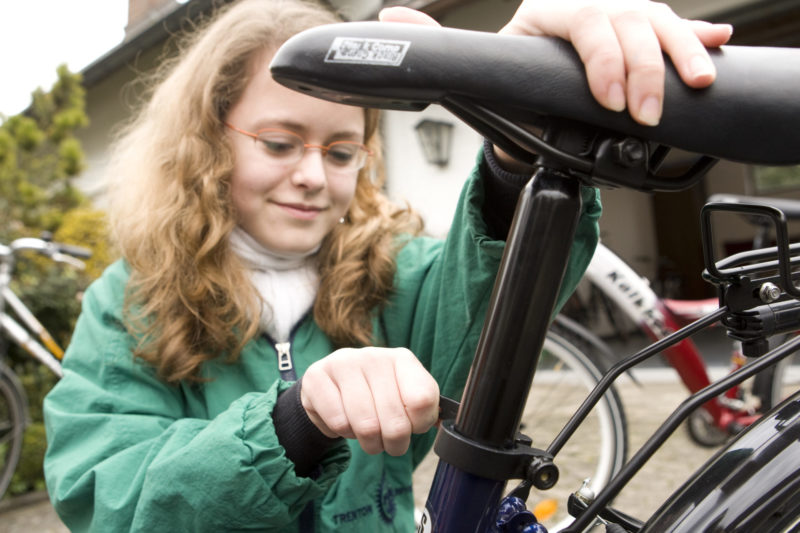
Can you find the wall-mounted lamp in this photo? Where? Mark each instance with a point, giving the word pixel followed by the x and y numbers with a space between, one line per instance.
pixel 435 136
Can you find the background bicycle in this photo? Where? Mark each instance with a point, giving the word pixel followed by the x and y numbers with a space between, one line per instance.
pixel 18 326
pixel 614 294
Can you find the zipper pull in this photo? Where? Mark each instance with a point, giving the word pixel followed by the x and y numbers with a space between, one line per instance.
pixel 284 355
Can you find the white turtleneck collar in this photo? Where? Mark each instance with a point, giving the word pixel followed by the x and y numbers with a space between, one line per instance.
pixel 287 283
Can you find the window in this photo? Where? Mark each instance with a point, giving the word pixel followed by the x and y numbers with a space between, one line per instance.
pixel 776 178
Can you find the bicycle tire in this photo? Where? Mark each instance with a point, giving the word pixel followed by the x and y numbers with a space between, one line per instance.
pixel 568 370
pixel 760 394
pixel 702 430
pixel 13 418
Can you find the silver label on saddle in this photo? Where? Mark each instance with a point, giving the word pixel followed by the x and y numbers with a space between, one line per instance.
pixel 367 51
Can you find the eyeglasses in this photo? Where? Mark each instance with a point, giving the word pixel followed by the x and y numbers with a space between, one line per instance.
pixel 287 148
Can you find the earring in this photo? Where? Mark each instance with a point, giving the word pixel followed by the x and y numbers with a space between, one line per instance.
pixel 341 220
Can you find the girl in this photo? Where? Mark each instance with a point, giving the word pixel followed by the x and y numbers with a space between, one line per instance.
pixel 257 249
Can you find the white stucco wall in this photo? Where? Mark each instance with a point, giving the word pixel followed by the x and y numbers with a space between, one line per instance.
pixel 431 190
pixel 108 105
pixel 699 9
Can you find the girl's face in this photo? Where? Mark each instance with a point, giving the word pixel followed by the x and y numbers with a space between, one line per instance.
pixel 289 207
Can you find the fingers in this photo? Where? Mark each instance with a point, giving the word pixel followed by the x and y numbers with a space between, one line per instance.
pixel 622 52
pixel 644 64
pixel 711 35
pixel 621 44
pixel 419 392
pixel 594 38
pixel 336 394
pixel 322 401
pixel 390 429
pixel 687 51
pixel 378 396
pixel 686 41
pixel 407 15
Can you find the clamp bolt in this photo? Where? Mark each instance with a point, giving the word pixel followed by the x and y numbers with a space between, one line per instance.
pixel 629 152
pixel 542 473
pixel 769 292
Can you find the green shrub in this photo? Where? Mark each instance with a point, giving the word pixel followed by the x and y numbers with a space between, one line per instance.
pixel 29 475
pixel 88 228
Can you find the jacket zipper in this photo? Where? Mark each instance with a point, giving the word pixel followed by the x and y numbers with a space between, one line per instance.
pixel 285 363
pixel 283 351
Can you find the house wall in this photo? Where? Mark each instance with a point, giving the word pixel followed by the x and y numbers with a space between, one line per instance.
pixel 697 10
pixel 109 105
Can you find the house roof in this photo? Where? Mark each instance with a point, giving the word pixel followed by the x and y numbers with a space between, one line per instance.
pixel 146 38
pixel 773 22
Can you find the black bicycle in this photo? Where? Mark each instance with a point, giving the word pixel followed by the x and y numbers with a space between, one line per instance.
pixel 750 114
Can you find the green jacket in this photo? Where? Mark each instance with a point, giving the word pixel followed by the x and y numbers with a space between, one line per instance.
pixel 128 452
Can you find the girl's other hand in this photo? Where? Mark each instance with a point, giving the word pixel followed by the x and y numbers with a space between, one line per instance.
pixel 379 396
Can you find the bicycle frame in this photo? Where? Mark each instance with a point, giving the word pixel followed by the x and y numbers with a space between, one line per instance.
pixel 20 335
pixel 47 352
pixel 480 449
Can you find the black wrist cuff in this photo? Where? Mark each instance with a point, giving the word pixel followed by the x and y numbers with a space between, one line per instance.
pixel 501 193
pixel 303 442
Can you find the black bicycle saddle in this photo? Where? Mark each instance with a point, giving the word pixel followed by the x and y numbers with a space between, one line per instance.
pixel 751 113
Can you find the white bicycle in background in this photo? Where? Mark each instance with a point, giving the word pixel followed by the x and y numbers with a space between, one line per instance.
pixel 18 325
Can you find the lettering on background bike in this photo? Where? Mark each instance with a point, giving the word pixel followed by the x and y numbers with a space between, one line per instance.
pixel 619 281
pixel 627 289
pixel 652 316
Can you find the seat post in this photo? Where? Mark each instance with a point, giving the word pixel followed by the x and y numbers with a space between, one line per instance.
pixel 520 310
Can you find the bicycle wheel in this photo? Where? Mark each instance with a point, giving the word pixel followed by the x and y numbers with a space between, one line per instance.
pixel 702 430
pixel 756 395
pixel 568 370
pixel 12 425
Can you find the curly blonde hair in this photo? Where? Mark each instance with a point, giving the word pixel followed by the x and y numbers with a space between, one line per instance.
pixel 189 298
